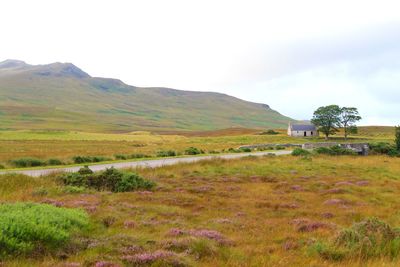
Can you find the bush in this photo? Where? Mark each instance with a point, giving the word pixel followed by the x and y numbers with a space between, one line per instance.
pixel 334 151
pixel 384 148
pixel 111 179
pixel 300 152
pixel 280 147
pixel 193 151
pixel 269 132
pixel 54 162
pixel 86 159
pixel 139 156
pixel 28 227
pixel 166 153
pixel 28 162
pixel 131 182
pixel 239 150
pixel 81 159
pixel 85 170
pixel 120 156
pixel 2 167
pixel 132 156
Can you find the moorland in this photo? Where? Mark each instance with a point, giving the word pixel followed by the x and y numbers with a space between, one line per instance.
pixel 311 210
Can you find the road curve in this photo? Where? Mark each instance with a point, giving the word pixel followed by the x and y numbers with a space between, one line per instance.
pixel 143 163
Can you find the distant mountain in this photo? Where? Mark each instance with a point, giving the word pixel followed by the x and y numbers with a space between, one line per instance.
pixel 61 96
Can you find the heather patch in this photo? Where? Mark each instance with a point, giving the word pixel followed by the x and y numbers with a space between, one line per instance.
pixel 203 233
pixel 156 258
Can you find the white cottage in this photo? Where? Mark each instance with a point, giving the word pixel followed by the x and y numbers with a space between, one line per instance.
pixel 302 130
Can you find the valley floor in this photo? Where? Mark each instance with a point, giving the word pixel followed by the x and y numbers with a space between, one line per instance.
pixel 267 211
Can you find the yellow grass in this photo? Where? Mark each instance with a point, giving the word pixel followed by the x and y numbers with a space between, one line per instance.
pixel 253 202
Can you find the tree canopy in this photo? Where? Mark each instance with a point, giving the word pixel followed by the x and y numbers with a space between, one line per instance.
pixel 327 119
pixel 348 118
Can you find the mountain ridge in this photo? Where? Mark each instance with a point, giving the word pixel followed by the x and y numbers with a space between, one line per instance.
pixel 62 96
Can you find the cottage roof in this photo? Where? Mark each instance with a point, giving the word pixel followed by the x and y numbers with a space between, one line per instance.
pixel 303 127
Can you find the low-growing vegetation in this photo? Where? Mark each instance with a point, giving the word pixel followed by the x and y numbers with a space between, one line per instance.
pixel 370 238
pixel 89 159
pixel 384 148
pixel 193 151
pixel 258 211
pixel 109 180
pixel 300 152
pixel 29 228
pixel 334 151
pixel 269 132
pixel 166 153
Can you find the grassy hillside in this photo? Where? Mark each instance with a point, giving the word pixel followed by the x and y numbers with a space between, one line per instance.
pixel 60 96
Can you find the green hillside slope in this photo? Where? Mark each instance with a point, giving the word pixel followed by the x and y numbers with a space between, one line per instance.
pixel 60 96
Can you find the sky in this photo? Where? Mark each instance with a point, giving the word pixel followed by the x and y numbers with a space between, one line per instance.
pixel 292 55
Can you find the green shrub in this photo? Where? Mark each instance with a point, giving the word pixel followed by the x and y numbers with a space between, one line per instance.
pixel 81 159
pixel 111 180
pixel 28 227
pixel 139 156
pixel 166 153
pixel 193 151
pixel 2 167
pixel 334 151
pixel 85 170
pixel 232 150
pixel 99 159
pixel 397 138
pixel 383 148
pixel 120 156
pixel 28 162
pixel 269 132
pixel 87 159
pixel 131 182
pixel 54 162
pixel 245 149
pixel 300 152
pixel 213 152
pixel 280 147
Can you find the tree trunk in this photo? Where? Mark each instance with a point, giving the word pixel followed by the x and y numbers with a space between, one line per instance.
pixel 326 136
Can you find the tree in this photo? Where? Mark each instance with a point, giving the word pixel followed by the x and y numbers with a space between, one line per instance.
pixel 348 118
pixel 327 119
pixel 397 140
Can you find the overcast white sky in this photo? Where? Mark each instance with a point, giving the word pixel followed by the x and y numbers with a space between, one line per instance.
pixel 293 55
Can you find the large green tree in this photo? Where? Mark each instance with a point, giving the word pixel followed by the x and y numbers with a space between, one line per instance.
pixel 327 119
pixel 348 118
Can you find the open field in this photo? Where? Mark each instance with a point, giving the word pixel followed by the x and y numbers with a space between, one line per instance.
pixel 65 145
pixel 270 211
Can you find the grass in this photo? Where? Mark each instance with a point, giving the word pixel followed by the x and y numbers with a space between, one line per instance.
pixel 64 145
pixel 268 211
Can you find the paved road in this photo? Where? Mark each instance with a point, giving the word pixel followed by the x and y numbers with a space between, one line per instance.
pixel 144 163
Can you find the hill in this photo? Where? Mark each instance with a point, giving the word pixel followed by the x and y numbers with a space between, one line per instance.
pixel 61 96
